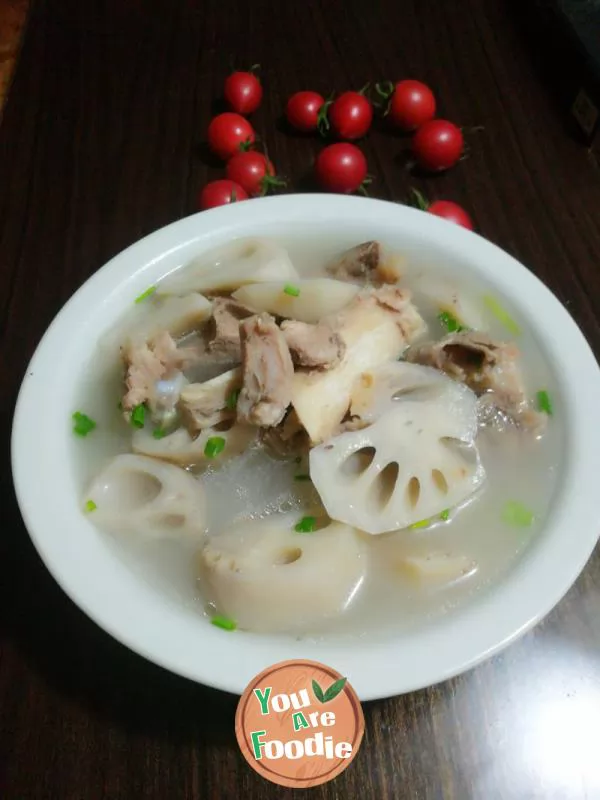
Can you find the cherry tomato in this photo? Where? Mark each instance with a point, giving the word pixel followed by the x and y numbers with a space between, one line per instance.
pixel 243 92
pixel 302 110
pixel 437 145
pixel 442 208
pixel 254 172
pixel 341 168
pixel 452 212
pixel 351 115
pixel 220 193
pixel 228 134
pixel 412 105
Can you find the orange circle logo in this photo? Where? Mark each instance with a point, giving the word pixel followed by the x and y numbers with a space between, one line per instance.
pixel 299 724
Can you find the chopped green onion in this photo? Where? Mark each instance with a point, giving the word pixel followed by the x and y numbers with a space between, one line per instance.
pixel 83 424
pixel 159 433
pixel 422 523
pixel 544 403
pixel 224 622
pixel 501 314
pixel 306 525
pixel 450 322
pixel 231 402
pixel 301 477
pixel 90 506
pixel 293 291
pixel 138 416
pixel 214 446
pixel 517 515
pixel 149 291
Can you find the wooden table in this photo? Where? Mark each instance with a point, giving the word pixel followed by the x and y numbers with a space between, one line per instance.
pixel 13 14
pixel 101 143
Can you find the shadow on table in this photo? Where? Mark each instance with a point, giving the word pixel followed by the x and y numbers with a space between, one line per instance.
pixel 80 661
pixel 554 55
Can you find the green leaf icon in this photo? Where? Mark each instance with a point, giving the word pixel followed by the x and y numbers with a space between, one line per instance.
pixel 318 692
pixel 331 693
pixel 334 689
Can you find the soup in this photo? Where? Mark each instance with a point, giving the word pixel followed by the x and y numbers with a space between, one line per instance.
pixel 317 440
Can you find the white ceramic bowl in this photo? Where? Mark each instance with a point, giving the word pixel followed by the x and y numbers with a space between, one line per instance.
pixel 95 578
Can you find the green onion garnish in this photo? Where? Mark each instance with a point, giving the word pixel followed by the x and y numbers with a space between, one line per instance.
pixel 543 402
pixel 450 322
pixel 149 291
pixel 293 291
pixel 223 622
pixel 90 506
pixel 159 433
pixel 501 314
pixel 138 416
pixel 231 401
pixel 301 477
pixel 423 523
pixel 306 525
pixel 83 424
pixel 214 446
pixel 517 515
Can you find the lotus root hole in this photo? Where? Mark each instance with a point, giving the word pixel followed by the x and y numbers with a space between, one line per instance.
pixel 287 556
pixel 384 484
pixel 358 462
pixel 413 491
pixel 439 480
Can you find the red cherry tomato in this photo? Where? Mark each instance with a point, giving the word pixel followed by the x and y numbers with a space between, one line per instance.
pixel 243 92
pixel 351 115
pixel 452 212
pixel 437 145
pixel 220 193
pixel 302 110
pixel 412 105
pixel 253 171
pixel 228 134
pixel 341 168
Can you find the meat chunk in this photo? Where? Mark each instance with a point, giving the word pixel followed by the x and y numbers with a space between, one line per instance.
pixel 350 423
pixel 150 364
pixel 217 346
pixel 317 346
pixel 358 262
pixel 399 301
pixel 204 365
pixel 267 373
pixel 488 367
pixel 376 327
pixel 287 439
pixel 203 405
pixel 223 331
pixel 366 263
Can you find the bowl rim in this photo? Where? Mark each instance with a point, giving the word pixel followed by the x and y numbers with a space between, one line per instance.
pixel 131 610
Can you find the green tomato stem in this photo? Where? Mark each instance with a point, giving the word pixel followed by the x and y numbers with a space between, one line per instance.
pixel 419 200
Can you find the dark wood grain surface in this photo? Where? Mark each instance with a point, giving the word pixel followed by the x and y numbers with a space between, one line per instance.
pixel 13 14
pixel 101 143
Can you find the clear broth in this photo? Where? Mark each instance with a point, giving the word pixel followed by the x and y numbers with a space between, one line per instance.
pixel 254 485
